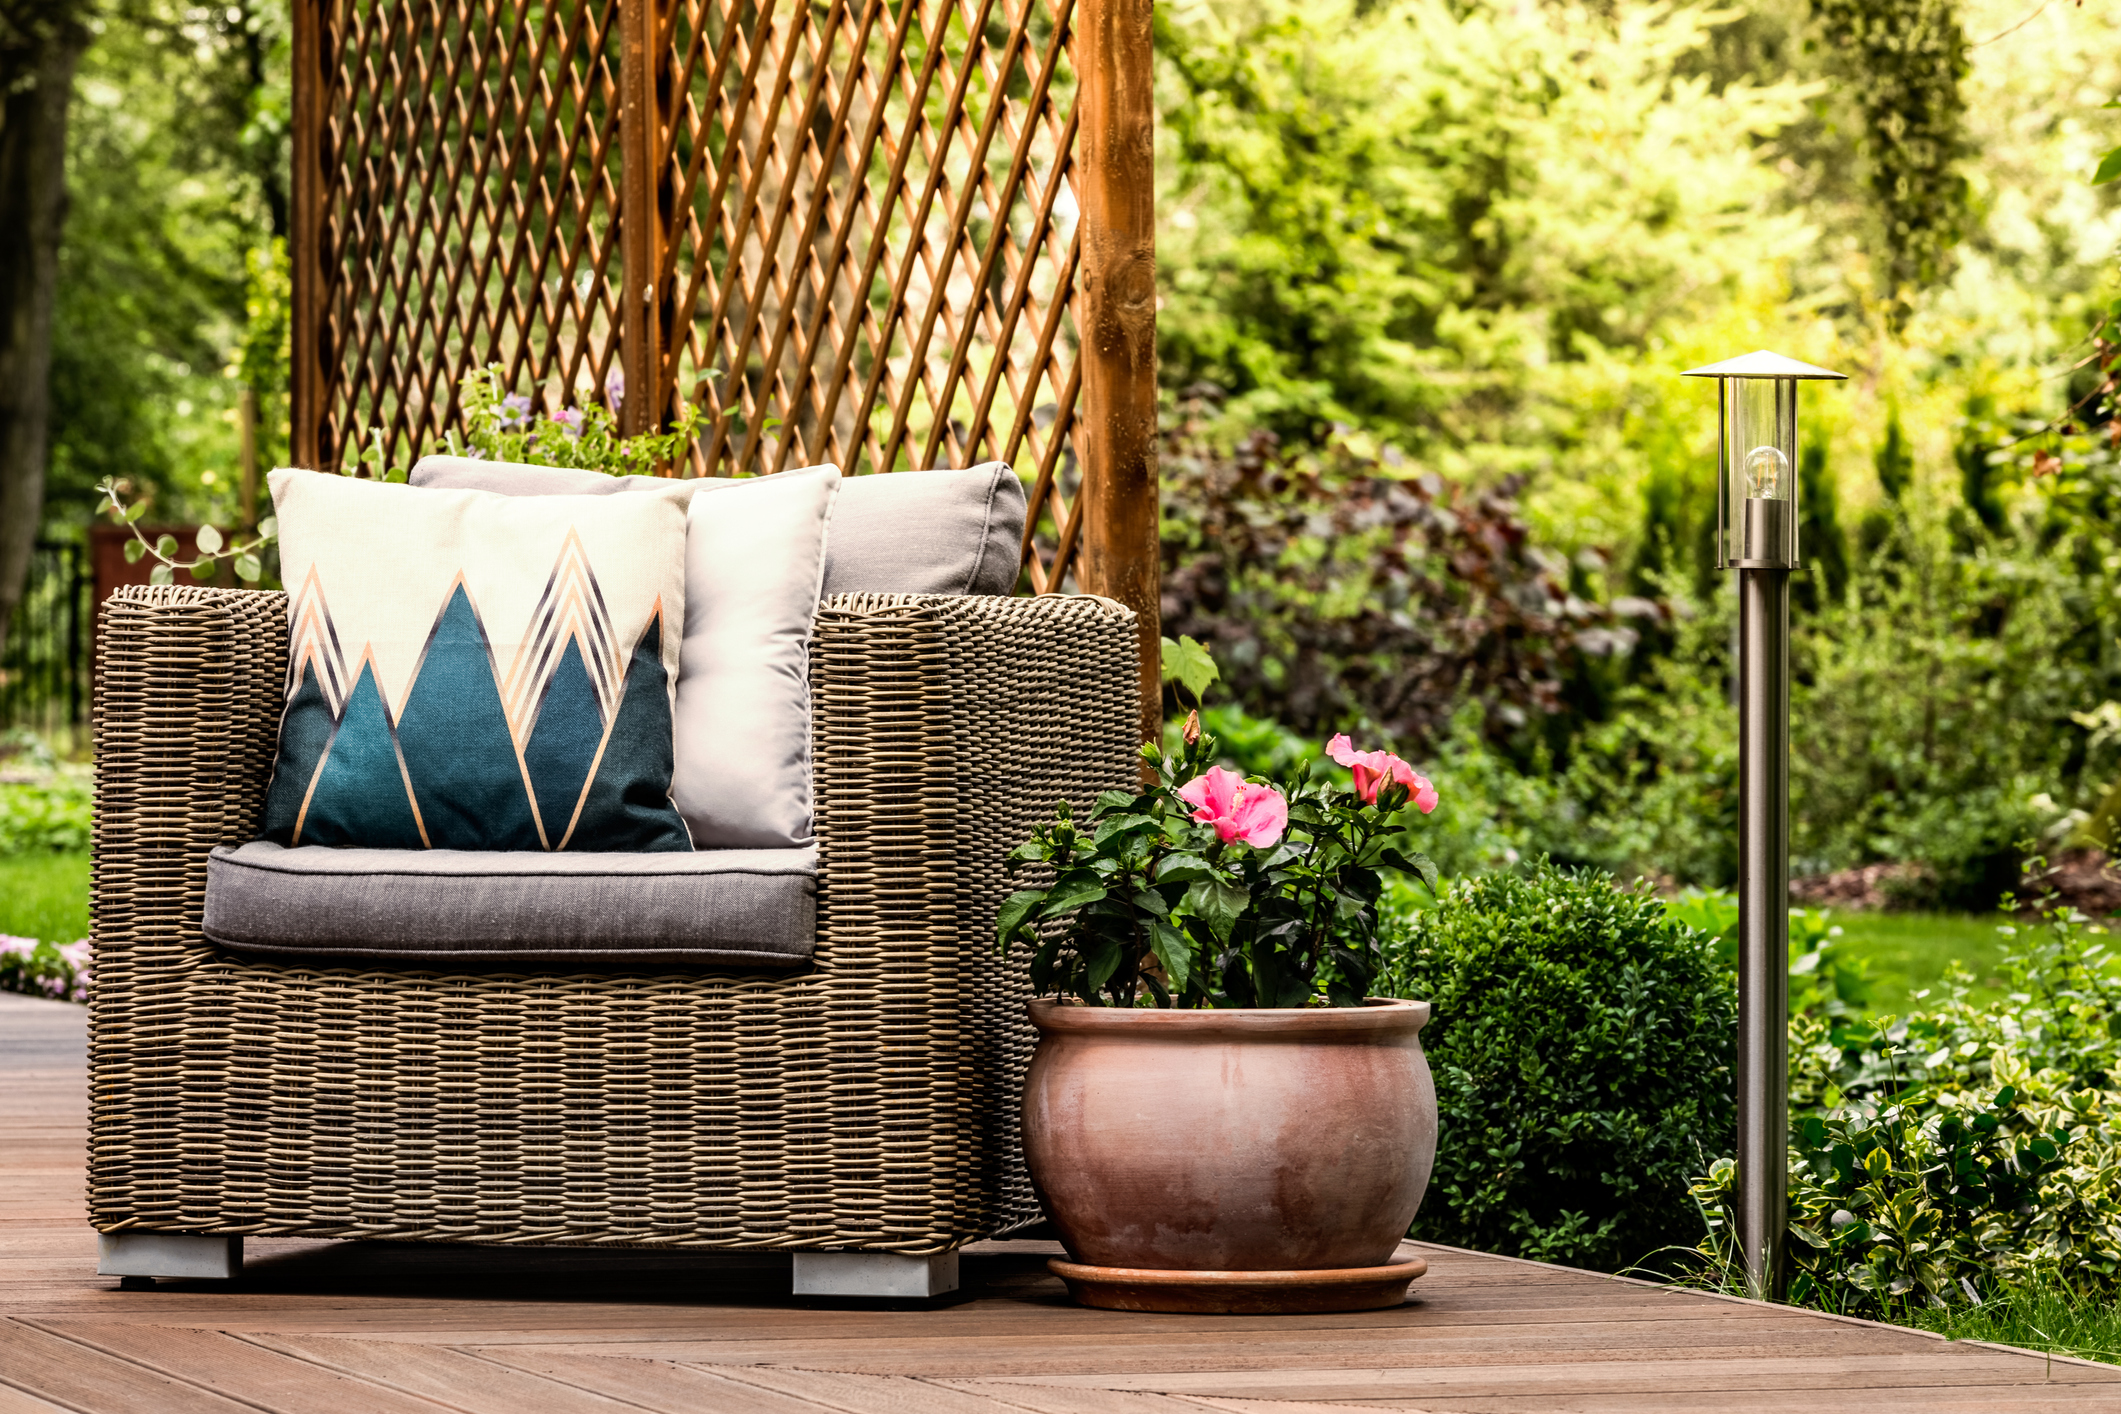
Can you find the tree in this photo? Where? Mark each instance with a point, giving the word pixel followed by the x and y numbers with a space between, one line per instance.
pixel 40 45
pixel 171 285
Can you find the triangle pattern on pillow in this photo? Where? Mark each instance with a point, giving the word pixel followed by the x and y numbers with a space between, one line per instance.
pixel 475 758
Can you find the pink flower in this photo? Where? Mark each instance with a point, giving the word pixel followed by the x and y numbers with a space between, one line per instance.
pixel 1238 809
pixel 1374 769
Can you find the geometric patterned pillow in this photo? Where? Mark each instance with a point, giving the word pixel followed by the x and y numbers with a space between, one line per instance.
pixel 472 671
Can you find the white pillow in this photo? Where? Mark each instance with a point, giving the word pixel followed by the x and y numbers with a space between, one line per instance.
pixel 754 561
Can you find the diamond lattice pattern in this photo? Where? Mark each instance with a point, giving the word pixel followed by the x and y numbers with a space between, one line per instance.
pixel 470 211
pixel 876 240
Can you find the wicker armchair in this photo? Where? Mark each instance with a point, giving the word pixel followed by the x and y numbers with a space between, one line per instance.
pixel 867 1104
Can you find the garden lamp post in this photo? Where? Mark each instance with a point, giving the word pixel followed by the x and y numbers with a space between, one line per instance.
pixel 1756 534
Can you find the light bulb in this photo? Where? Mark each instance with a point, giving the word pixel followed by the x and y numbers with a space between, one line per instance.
pixel 1766 474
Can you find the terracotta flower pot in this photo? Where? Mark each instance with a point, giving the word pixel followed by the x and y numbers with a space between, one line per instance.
pixel 1223 1142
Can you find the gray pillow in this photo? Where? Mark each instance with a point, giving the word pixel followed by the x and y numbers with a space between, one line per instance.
pixel 911 532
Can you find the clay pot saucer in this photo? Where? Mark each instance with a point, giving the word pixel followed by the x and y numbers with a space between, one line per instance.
pixel 1239 1293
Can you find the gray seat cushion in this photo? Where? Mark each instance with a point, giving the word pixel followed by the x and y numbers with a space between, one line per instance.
pixel 738 908
pixel 911 532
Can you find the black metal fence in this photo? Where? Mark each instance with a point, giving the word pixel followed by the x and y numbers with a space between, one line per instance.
pixel 44 673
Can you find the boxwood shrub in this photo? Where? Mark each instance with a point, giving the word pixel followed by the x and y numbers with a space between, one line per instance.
pixel 1582 1042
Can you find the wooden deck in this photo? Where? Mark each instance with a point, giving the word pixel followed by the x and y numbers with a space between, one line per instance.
pixel 336 1327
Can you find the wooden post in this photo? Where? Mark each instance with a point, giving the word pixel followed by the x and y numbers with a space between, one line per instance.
pixel 308 350
pixel 646 200
pixel 1117 318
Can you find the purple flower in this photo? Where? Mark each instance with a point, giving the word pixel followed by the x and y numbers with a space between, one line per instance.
pixel 515 410
pixel 615 387
pixel 55 970
pixel 571 419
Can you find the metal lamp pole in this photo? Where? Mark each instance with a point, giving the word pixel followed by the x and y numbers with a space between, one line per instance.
pixel 1757 479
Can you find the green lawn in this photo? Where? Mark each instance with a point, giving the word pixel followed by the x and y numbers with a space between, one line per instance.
pixel 2041 1315
pixel 44 896
pixel 1909 951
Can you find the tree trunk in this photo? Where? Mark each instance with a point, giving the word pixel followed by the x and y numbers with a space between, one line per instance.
pixel 40 43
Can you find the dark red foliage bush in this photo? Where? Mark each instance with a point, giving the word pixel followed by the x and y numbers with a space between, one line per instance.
pixel 1336 587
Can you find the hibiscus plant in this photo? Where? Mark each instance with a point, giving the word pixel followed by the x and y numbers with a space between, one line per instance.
pixel 1206 889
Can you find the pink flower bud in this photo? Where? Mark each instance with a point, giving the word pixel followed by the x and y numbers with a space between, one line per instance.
pixel 1373 770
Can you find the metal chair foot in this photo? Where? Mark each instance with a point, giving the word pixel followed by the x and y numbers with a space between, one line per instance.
pixel 168 1254
pixel 878 1275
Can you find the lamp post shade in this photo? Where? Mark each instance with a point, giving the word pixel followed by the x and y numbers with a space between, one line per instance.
pixel 1756 484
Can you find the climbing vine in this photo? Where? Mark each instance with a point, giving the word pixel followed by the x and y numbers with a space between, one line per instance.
pixel 1905 61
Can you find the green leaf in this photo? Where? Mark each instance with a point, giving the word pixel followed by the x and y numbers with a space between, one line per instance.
pixel 166 546
pixel 159 575
pixel 1172 953
pixel 2109 167
pixel 1150 901
pixel 1013 912
pixel 1118 824
pixel 201 569
pixel 1419 865
pixel 132 517
pixel 1189 665
pixel 1100 960
pixel 1071 891
pixel 1220 903
pixel 1183 869
pixel 134 549
pixel 208 540
pixel 248 568
pixel 268 527
pixel 1042 963
pixel 1114 800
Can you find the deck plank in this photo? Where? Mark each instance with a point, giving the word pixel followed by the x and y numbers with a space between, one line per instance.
pixel 15 1401
pixel 77 1377
pixel 240 1370
pixel 1915 1399
pixel 1856 1376
pixel 1054 1399
pixel 460 1379
pixel 661 1385
pixel 868 1394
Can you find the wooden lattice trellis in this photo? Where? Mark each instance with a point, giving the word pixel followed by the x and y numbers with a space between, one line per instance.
pixel 881 233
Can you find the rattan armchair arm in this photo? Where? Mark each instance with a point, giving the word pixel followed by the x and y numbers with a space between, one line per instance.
pixel 190 684
pixel 944 727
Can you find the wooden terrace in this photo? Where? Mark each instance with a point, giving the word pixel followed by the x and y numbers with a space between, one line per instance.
pixel 330 1328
